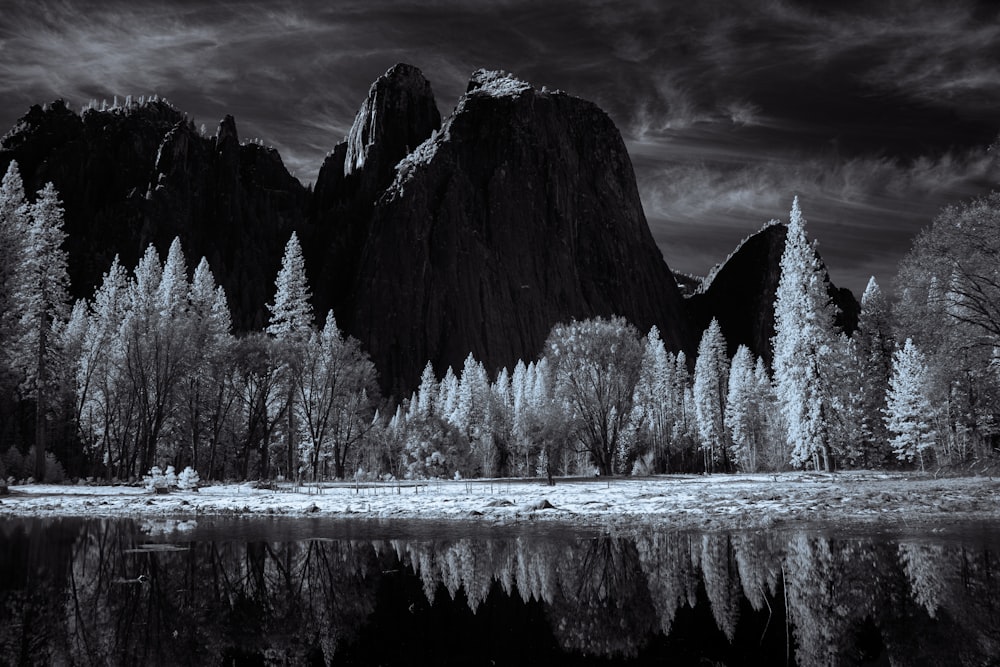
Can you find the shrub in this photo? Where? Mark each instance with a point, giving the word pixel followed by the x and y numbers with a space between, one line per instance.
pixel 155 479
pixel 188 480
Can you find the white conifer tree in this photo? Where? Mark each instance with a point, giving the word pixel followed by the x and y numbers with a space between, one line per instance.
pixel 426 393
pixel 209 306
pixel 154 333
pixel 206 395
pixel 803 340
pixel 774 436
pixel 41 299
pixel 741 410
pixel 685 424
pixel 13 236
pixel 100 371
pixel 291 313
pixel 291 323
pixel 520 386
pixel 909 415
pixel 652 399
pixel 334 388
pixel 446 405
pixel 871 354
pixel 501 426
pixel 711 372
pixel 172 292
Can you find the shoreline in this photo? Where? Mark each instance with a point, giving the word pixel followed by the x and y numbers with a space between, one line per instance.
pixel 675 502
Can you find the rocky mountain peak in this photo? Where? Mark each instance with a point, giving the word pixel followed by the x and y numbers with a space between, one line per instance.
pixel 226 133
pixel 398 114
pixel 521 212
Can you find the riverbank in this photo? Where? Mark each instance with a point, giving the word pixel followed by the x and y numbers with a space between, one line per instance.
pixel 703 502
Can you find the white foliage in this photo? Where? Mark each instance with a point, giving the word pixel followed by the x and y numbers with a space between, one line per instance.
pixel 188 480
pixel 742 415
pixel 803 343
pixel 710 378
pixel 291 312
pixel 909 414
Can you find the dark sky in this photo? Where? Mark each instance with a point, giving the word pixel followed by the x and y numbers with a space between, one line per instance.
pixel 874 113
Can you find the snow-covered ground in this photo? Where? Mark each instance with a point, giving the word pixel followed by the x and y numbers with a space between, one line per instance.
pixel 676 501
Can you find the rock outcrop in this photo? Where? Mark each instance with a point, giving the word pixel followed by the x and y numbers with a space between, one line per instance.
pixel 396 117
pixel 521 212
pixel 429 240
pixel 741 294
pixel 140 173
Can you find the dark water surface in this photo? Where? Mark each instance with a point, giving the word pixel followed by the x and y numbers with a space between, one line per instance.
pixel 290 592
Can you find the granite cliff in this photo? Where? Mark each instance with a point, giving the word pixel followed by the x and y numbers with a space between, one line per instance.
pixel 140 173
pixel 520 212
pixel 396 117
pixel 428 239
pixel 740 293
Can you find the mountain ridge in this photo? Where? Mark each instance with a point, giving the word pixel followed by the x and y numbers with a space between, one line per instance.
pixel 429 238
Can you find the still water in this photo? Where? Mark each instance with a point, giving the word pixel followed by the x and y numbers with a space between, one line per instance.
pixel 290 592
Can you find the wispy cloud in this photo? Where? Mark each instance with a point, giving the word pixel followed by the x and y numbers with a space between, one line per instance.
pixel 876 113
pixel 863 210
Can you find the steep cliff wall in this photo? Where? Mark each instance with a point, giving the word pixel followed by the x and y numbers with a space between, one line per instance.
pixel 522 211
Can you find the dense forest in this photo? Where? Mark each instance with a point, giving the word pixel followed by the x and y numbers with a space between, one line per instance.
pixel 148 372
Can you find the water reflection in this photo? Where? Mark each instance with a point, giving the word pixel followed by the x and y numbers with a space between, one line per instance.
pixel 124 592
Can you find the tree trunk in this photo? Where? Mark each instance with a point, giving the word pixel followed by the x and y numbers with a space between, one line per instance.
pixel 292 468
pixel 40 405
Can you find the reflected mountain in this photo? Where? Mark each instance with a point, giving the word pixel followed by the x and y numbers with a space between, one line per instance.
pixel 119 592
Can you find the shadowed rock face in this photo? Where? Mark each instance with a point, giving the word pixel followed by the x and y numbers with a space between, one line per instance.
pixel 520 213
pixel 142 174
pixel 742 293
pixel 396 117
pixel 428 241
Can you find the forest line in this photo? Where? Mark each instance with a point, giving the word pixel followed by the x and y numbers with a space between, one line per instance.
pixel 149 373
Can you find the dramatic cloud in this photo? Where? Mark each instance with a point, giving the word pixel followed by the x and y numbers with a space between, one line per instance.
pixel 876 114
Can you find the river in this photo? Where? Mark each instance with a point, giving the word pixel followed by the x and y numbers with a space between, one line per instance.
pixel 320 591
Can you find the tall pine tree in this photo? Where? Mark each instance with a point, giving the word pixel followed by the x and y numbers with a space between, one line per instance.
pixel 102 415
pixel 711 371
pixel 13 235
pixel 742 420
pixel 291 313
pixel 803 341
pixel 652 401
pixel 909 415
pixel 871 352
pixel 41 299
pixel 291 324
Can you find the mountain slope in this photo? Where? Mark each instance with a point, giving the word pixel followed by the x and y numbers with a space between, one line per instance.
pixel 396 117
pixel 521 212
